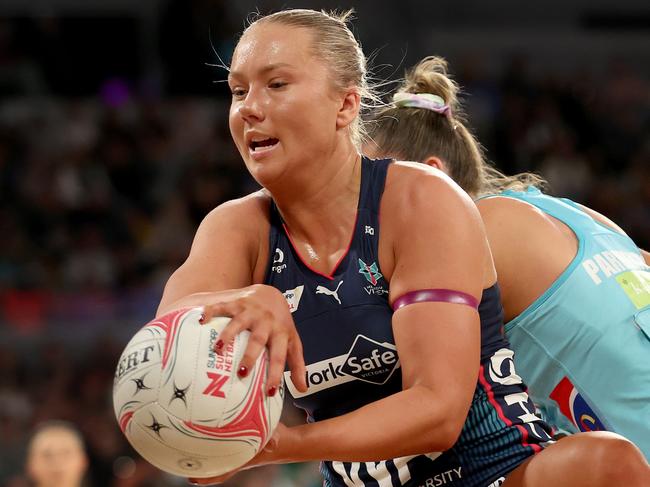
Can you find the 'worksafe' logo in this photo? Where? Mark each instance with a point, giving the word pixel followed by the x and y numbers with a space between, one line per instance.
pixel 367 360
pixel 370 361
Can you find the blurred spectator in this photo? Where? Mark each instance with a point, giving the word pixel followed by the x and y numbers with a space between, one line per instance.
pixel 56 456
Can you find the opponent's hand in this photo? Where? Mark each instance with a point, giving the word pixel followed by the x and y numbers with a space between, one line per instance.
pixel 268 455
pixel 263 311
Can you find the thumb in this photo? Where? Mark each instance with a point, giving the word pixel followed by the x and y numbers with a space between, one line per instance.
pixel 273 443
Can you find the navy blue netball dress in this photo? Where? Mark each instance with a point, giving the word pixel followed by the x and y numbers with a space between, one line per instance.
pixel 344 322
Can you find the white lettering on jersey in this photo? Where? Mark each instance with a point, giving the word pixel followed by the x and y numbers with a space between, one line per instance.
pixel 497 482
pixel 403 471
pixel 528 417
pixel 444 477
pixel 501 359
pixel 380 473
pixel 293 297
pixel 320 375
pixel 377 470
pixel 607 269
pixel 367 360
pixel 611 262
pixel 501 356
pixel 592 270
pixel 278 261
pixel 339 468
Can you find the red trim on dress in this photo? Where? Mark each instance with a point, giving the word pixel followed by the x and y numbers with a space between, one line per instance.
pixel 329 276
pixel 488 388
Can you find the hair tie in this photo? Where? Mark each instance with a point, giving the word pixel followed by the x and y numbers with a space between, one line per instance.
pixel 427 101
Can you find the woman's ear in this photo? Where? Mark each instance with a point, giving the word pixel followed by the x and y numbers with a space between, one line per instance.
pixel 349 109
pixel 436 162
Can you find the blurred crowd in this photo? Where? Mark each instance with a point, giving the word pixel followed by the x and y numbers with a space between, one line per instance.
pixel 101 194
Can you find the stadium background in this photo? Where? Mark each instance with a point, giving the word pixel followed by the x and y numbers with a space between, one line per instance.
pixel 114 144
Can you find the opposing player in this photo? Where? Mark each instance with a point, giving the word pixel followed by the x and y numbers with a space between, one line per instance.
pixel 575 288
pixel 409 381
pixel 56 456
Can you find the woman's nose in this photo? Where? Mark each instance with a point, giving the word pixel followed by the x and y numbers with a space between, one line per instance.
pixel 250 109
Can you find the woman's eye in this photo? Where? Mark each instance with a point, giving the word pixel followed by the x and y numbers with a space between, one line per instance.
pixel 237 92
pixel 277 84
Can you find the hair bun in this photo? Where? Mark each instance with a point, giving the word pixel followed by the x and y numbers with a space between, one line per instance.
pixel 430 76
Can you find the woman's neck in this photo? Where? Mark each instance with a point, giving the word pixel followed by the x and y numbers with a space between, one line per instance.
pixel 323 209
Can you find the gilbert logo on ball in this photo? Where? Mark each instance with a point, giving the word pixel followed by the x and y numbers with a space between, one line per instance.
pixel 183 407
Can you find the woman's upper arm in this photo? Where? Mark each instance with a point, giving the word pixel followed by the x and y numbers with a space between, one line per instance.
pixel 441 244
pixel 607 222
pixel 646 256
pixel 223 254
pixel 602 219
pixel 437 235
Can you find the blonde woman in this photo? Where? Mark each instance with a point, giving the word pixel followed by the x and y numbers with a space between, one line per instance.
pixel 407 381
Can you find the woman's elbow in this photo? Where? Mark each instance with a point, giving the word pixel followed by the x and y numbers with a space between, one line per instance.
pixel 447 435
pixel 447 426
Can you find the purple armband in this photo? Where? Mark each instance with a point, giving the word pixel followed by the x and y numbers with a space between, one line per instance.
pixel 435 295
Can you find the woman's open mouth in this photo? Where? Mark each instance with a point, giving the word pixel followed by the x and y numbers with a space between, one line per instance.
pixel 262 146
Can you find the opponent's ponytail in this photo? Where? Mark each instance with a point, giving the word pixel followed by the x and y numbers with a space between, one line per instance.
pixel 426 119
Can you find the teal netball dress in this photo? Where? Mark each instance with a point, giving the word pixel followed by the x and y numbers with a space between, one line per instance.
pixel 583 347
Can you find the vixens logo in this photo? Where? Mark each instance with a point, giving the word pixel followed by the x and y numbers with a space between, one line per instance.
pixel 370 272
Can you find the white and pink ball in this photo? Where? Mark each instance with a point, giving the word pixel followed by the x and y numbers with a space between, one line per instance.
pixel 183 407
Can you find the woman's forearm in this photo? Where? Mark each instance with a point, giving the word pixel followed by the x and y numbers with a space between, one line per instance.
pixel 199 299
pixel 409 422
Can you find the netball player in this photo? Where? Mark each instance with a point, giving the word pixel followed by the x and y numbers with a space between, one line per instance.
pixel 408 380
pixel 56 456
pixel 575 289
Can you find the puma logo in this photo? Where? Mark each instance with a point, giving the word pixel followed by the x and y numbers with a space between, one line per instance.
pixel 329 292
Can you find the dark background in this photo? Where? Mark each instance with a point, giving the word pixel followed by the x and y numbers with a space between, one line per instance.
pixel 114 144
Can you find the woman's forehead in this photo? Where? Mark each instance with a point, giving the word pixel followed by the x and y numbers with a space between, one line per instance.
pixel 272 44
pixel 56 437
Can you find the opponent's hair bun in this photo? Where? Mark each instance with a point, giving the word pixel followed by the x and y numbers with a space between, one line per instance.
pixel 430 76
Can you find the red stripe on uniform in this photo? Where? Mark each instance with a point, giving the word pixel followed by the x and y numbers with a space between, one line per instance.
pixel 504 418
pixel 329 276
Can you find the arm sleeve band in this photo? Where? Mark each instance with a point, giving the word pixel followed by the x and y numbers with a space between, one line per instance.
pixel 435 295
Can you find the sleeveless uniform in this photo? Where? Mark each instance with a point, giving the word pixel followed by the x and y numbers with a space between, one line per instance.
pixel 584 345
pixel 344 322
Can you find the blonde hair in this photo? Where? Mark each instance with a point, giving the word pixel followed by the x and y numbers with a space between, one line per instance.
pixel 334 43
pixel 414 133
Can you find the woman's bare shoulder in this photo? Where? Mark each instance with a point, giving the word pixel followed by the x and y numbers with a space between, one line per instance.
pixel 236 225
pixel 246 215
pixel 254 205
pixel 409 182
pixel 510 214
pixel 520 233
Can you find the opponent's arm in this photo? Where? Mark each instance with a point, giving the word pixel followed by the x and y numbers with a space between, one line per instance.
pixel 607 222
pixel 646 256
pixel 600 218
pixel 439 243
